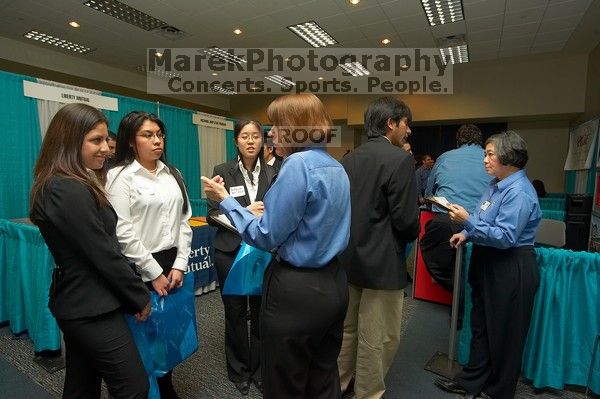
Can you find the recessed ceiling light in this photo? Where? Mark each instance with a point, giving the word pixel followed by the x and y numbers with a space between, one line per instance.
pixel 215 74
pixel 237 31
pixel 57 42
pixel 125 13
pixel 224 55
pixel 158 54
pixel 355 68
pixel 321 78
pixel 280 80
pixel 385 41
pixel 354 2
pixel 441 12
pixel 312 33
pixel 74 24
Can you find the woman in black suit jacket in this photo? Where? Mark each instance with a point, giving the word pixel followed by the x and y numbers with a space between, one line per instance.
pixel 92 285
pixel 247 179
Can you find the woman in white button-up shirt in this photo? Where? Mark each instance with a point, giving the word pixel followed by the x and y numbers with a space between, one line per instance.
pixel 151 202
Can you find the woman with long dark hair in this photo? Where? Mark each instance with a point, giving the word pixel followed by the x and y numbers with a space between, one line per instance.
pixel 307 220
pixel 247 178
pixel 93 285
pixel 151 201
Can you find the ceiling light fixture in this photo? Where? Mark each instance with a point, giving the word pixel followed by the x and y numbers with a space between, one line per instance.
pixel 74 24
pixel 158 54
pixel 354 2
pixel 237 31
pixel 454 49
pixel 224 55
pixel 313 34
pixel 159 72
pixel 221 90
pixel 57 42
pixel 386 41
pixel 126 13
pixel 440 12
pixel 280 80
pixel 355 68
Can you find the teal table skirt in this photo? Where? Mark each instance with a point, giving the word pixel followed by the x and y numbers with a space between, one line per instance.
pixel 25 275
pixel 552 203
pixel 199 207
pixel 564 324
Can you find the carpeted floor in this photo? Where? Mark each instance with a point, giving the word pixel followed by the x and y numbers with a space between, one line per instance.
pixel 203 376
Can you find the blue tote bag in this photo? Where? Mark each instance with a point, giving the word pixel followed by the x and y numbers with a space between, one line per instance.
pixel 246 274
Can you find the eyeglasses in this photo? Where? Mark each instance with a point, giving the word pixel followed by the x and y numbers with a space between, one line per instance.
pixel 246 137
pixel 150 136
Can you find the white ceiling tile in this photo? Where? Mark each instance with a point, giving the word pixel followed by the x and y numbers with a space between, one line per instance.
pixel 547 47
pixel 524 41
pixel 566 23
pixel 483 8
pixel 320 8
pixel 513 51
pixel 485 23
pixel 520 30
pixel 413 22
pixel 484 47
pixel 484 35
pixel 568 8
pixel 418 38
pixel 557 36
pixel 483 56
pixel 366 16
pixel 524 16
pixel 376 30
pixel 348 35
pixel 452 29
pixel 359 43
pixel 518 5
pixel 402 8
pixel 335 22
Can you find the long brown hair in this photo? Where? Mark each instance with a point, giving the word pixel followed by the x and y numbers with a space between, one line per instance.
pixel 60 154
pixel 294 110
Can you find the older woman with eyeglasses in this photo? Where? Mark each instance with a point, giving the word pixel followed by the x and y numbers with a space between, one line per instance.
pixel 153 209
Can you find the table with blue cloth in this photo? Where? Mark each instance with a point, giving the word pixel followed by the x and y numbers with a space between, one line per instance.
pixel 564 323
pixel 26 267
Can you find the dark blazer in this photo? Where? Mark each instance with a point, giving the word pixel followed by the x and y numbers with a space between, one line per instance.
pixel 226 240
pixel 92 277
pixel 385 215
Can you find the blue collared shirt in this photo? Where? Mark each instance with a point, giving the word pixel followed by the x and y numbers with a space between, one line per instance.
pixel 508 214
pixel 459 176
pixel 307 211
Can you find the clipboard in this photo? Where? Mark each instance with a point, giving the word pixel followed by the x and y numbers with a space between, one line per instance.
pixel 222 220
pixel 441 202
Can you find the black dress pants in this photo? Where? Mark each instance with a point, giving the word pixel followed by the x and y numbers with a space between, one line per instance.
pixel 102 348
pixel 503 283
pixel 439 257
pixel 242 343
pixel 301 325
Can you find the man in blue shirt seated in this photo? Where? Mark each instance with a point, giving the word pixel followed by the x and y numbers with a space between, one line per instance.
pixel 460 177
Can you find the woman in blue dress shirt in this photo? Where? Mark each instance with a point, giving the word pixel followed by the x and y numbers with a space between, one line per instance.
pixel 307 220
pixel 503 274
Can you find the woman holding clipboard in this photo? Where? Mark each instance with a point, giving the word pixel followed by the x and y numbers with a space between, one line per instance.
pixel 246 179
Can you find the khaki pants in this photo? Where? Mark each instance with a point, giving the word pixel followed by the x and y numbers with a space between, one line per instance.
pixel 371 339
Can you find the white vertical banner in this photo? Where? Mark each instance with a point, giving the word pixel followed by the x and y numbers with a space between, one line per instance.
pixel 582 141
pixel 212 151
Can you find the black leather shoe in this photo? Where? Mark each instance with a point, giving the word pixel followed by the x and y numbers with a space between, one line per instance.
pixel 450 386
pixel 258 385
pixel 243 387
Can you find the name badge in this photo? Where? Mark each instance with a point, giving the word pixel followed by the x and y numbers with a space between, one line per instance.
pixel 237 191
pixel 485 205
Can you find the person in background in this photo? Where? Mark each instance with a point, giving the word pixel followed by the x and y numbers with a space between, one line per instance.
pixel 93 285
pixel 503 273
pixel 112 144
pixel 539 187
pixel 307 220
pixel 152 204
pixel 247 179
pixel 422 174
pixel 271 158
pixel 385 217
pixel 459 176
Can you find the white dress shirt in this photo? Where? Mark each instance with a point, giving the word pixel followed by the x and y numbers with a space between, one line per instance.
pixel 149 208
pixel 251 186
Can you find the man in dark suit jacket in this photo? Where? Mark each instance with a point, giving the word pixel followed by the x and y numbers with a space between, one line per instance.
pixel 384 219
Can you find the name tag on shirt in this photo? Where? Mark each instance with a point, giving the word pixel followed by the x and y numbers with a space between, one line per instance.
pixel 237 191
pixel 485 205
